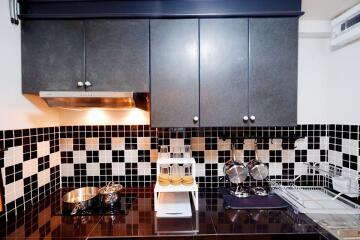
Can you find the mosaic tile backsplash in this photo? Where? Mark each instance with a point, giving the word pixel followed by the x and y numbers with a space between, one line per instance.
pixel 39 161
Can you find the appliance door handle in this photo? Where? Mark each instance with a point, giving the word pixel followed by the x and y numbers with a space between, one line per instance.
pixel 12 20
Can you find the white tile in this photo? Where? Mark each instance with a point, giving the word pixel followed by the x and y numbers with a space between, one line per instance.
pixel 67 170
pixel 200 170
pixel 55 159
pixel 353 147
pixel 118 143
pixel 9 192
pixel 131 156
pixel 43 148
pixel 93 169
pixel 300 168
pixel 105 156
pixel 324 141
pixel 44 177
pixel 275 169
pixel 79 156
pixel 30 168
pixel 13 156
pixel 221 169
pixel 301 143
pixel 313 155
pixel 19 188
pixel 144 168
pixel 118 169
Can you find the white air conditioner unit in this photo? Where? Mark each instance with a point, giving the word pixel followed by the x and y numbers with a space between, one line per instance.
pixel 346 28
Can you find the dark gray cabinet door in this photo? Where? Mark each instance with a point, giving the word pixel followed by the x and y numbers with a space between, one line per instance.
pixel 273 70
pixel 52 55
pixel 117 55
pixel 223 72
pixel 174 72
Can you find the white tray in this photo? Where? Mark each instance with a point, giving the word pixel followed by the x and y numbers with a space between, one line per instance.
pixel 316 200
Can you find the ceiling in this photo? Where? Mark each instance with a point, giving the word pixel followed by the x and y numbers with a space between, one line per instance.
pixel 325 9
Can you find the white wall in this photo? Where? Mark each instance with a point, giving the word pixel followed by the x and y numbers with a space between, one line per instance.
pixel 17 111
pixel 313 77
pixel 344 85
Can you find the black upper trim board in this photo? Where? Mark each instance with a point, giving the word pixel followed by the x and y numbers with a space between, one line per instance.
pixel 79 9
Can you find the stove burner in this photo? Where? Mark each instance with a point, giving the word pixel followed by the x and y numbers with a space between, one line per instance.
pixel 260 191
pixel 240 192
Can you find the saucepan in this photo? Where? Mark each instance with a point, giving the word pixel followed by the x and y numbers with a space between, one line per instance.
pixel 80 199
pixel 257 169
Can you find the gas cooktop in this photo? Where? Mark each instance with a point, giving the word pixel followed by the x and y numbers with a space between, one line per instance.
pixel 120 208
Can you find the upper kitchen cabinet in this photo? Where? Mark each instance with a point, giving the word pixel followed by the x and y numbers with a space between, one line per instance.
pixel 223 72
pixel 52 55
pixel 273 71
pixel 117 55
pixel 174 45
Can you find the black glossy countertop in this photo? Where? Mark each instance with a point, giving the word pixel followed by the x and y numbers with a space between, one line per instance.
pixel 212 221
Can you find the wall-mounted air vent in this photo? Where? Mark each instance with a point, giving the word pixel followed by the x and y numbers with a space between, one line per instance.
pixel 346 28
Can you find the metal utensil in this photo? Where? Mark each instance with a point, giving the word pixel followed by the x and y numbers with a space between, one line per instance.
pixel 80 199
pixel 235 172
pixel 258 170
pixel 110 194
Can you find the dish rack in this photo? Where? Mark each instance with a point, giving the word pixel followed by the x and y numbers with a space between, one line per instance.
pixel 315 199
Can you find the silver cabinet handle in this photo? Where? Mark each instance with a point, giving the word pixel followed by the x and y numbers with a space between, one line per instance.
pixel 246 118
pixel 252 118
pixel 196 119
pixel 80 84
pixel 87 84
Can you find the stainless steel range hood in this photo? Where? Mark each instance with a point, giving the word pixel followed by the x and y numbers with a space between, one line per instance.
pixel 110 100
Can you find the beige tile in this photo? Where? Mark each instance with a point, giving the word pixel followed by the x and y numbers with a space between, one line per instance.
pixel 239 155
pixel 153 155
pixel 144 143
pixel 66 144
pixel 211 156
pixel 118 143
pixel 275 144
pixel 92 144
pixel 224 145
pixel 249 144
pixel 288 156
pixel 263 155
pixel 197 144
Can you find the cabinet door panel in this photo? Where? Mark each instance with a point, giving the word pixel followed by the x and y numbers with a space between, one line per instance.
pixel 174 72
pixel 273 70
pixel 52 55
pixel 117 55
pixel 223 72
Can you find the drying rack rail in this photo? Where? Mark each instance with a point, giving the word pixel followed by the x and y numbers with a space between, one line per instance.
pixel 315 199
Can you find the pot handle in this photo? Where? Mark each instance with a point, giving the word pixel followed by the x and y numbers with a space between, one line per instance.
pixel 76 208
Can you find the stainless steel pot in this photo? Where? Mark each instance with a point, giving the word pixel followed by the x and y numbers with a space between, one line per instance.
pixel 80 199
pixel 110 194
pixel 234 171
